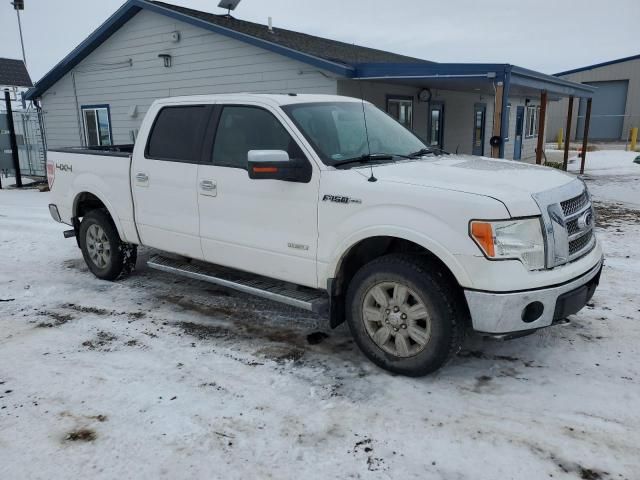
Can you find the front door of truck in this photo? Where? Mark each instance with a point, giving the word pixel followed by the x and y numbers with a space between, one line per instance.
pixel 267 227
pixel 164 178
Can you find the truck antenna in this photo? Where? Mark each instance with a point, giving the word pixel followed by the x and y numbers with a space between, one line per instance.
pixel 372 178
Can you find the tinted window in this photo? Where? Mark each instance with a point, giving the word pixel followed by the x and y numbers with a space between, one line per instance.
pixel 178 133
pixel 241 129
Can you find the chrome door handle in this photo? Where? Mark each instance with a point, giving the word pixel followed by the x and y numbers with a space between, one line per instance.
pixel 209 188
pixel 142 177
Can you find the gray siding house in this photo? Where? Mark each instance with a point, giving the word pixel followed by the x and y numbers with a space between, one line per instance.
pixel 616 102
pixel 146 50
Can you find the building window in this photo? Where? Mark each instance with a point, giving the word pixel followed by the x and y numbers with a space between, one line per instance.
pixel 401 108
pixel 507 122
pixel 533 114
pixel 97 125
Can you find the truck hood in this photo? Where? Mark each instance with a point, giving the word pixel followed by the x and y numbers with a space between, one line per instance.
pixel 508 181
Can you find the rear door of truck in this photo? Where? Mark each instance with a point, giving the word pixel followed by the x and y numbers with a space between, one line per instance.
pixel 164 177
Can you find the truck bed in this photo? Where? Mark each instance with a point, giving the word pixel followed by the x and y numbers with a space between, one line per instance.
pixel 103 171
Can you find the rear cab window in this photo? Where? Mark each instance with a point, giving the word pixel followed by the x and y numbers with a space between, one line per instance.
pixel 178 133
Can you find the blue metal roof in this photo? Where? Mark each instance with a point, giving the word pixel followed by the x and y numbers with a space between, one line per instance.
pixel 516 76
pixel 513 75
pixel 598 65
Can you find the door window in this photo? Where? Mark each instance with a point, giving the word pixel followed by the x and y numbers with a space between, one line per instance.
pixel 97 125
pixel 478 129
pixel 242 128
pixel 436 123
pixel 178 133
pixel 401 109
pixel 507 122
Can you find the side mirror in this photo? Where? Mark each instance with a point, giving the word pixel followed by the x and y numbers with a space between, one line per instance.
pixel 276 165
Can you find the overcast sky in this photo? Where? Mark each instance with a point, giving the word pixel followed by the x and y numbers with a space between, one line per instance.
pixel 544 35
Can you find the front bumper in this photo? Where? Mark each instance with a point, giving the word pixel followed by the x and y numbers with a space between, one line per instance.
pixel 501 313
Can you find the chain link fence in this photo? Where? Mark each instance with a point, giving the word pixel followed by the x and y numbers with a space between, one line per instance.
pixel 31 143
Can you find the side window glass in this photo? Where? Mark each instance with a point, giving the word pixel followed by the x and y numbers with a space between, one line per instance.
pixel 178 133
pixel 241 129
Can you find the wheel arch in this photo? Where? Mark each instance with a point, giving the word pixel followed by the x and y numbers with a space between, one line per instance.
pixel 368 248
pixel 85 201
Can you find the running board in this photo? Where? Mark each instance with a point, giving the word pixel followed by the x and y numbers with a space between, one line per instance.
pixel 297 296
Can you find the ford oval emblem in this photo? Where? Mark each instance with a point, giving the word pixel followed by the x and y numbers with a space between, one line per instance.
pixel 585 220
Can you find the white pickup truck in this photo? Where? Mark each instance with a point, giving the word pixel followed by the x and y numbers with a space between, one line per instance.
pixel 328 204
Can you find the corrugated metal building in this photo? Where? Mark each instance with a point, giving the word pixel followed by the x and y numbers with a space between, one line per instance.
pixel 616 102
pixel 99 93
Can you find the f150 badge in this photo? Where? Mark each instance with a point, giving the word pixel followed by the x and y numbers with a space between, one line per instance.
pixel 340 199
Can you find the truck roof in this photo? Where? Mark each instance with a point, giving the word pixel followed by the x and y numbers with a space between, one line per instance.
pixel 272 98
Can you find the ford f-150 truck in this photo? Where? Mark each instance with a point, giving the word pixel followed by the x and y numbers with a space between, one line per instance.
pixel 328 204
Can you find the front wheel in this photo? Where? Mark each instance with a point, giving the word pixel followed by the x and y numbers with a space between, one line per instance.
pixel 106 255
pixel 402 314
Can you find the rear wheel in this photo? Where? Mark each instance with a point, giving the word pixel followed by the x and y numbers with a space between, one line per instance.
pixel 106 255
pixel 402 313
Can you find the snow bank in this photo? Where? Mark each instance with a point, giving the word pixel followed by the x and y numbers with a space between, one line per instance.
pixel 607 162
pixel 611 176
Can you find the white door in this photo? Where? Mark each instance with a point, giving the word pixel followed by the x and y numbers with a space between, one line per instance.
pixel 164 179
pixel 264 226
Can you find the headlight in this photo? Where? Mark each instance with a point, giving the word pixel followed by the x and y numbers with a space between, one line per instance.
pixel 511 239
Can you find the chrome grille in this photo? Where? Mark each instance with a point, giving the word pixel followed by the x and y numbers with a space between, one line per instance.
pixel 567 214
pixel 572 227
pixel 580 243
pixel 575 204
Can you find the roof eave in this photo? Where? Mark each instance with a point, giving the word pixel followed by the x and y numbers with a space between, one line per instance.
pixel 371 71
pixel 597 65
pixel 518 75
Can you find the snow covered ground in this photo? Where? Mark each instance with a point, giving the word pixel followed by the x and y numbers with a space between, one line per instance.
pixel 161 377
pixel 611 175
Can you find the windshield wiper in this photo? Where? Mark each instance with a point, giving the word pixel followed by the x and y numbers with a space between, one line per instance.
pixel 366 158
pixel 426 151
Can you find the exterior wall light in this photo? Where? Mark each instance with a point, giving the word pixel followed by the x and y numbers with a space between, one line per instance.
pixel 167 59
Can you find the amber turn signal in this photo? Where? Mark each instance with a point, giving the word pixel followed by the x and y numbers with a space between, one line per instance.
pixel 265 169
pixel 482 233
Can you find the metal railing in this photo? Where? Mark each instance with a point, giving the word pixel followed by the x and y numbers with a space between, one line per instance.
pixel 32 148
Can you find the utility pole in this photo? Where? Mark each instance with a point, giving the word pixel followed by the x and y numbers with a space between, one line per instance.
pixel 17 6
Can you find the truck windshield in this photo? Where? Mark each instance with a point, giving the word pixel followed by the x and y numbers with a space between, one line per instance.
pixel 337 131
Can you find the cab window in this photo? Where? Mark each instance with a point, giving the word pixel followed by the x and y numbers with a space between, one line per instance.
pixel 178 132
pixel 243 128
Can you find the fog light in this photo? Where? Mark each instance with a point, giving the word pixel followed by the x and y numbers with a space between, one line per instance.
pixel 532 312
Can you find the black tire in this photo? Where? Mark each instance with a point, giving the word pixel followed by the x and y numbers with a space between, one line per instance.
pixel 122 257
pixel 437 293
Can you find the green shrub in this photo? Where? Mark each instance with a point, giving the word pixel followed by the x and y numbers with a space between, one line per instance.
pixel 557 165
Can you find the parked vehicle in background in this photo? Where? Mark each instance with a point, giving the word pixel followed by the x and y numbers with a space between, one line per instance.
pixel 328 204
